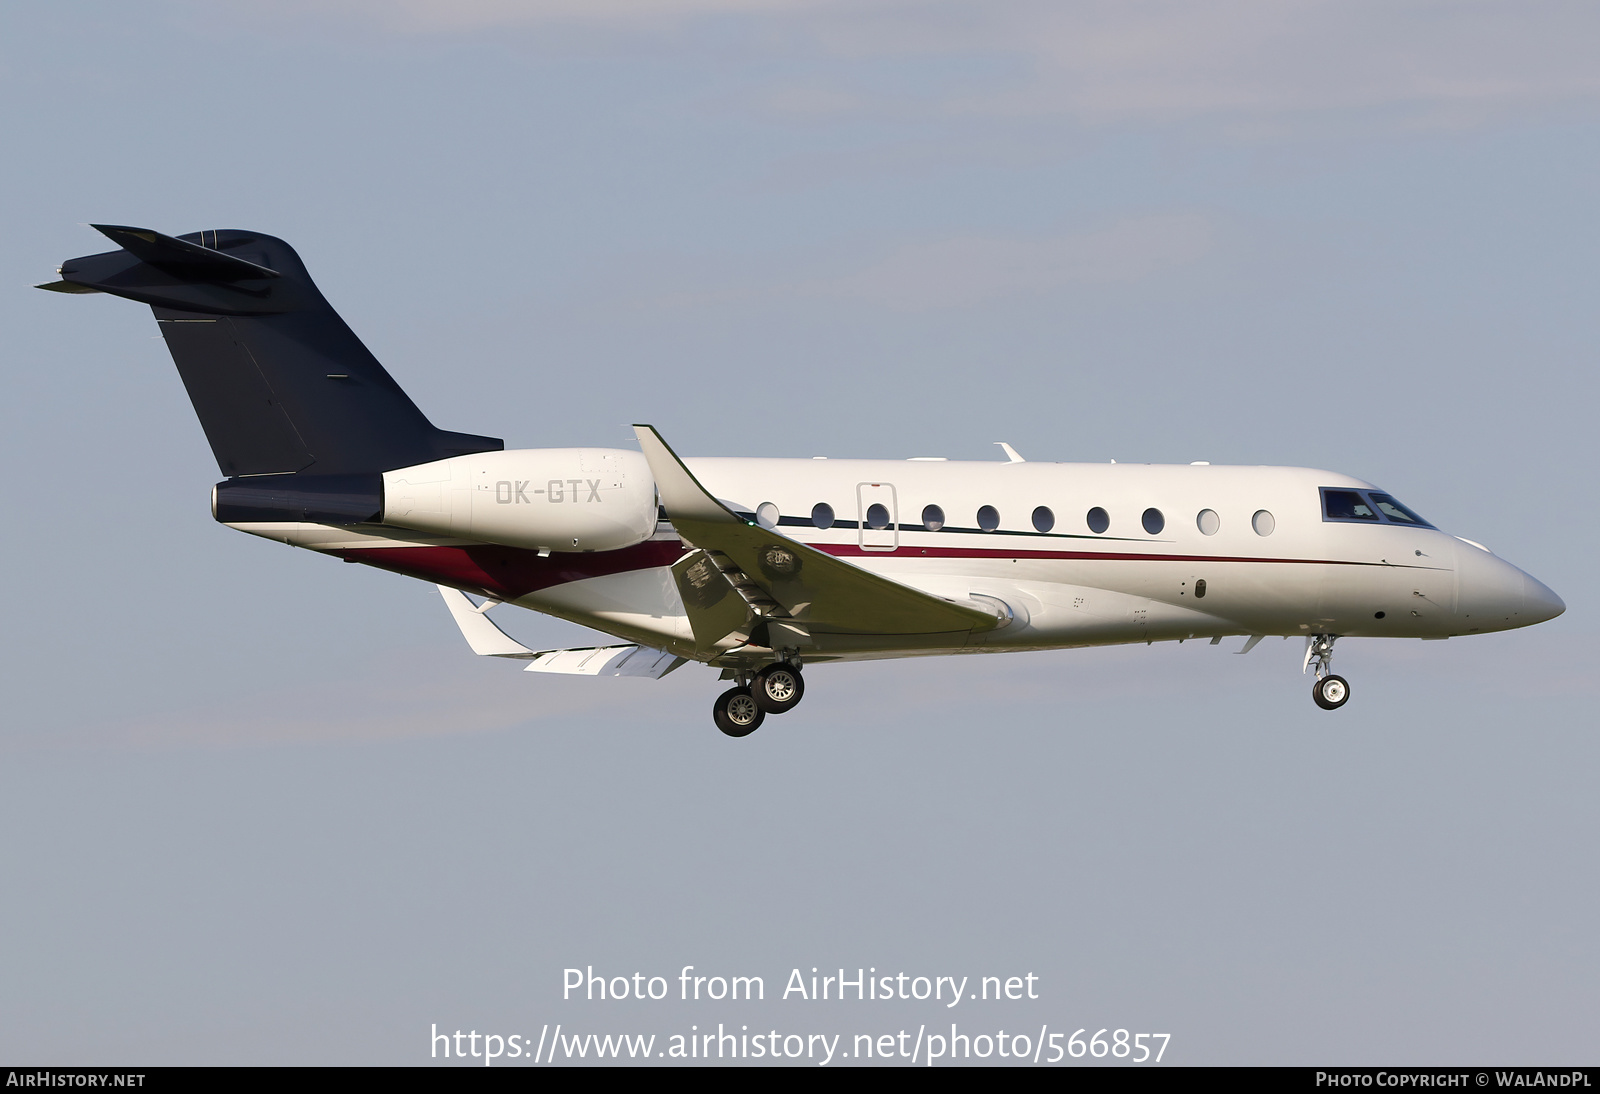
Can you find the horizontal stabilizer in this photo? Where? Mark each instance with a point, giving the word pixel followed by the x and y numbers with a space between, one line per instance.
pixel 65 286
pixel 181 258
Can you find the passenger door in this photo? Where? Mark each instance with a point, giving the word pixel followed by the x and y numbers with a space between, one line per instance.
pixel 878 513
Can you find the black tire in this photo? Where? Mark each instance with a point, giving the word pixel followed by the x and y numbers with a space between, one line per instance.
pixel 1331 692
pixel 778 688
pixel 736 713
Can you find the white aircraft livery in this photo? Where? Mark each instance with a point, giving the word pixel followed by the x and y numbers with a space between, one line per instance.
pixel 758 567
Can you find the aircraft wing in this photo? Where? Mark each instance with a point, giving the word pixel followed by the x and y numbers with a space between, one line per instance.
pixel 488 640
pixel 800 596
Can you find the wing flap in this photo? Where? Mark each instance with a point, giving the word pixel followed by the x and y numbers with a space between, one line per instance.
pixel 488 640
pixel 641 661
pixel 720 617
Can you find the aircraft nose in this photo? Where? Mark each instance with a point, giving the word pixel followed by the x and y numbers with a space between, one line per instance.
pixel 1539 601
pixel 1493 595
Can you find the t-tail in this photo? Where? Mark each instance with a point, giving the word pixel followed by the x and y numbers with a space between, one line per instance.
pixel 302 418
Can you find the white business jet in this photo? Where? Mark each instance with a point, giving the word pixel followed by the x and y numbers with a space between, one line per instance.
pixel 758 567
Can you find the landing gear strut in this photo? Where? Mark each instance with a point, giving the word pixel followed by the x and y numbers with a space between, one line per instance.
pixel 1329 692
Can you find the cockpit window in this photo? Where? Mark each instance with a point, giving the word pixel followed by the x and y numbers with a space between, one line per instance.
pixel 1346 505
pixel 1395 511
pixel 1367 506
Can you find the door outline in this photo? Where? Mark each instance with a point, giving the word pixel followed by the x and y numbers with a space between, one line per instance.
pixel 877 539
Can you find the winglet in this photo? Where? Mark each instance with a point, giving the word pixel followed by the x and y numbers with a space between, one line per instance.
pixel 486 639
pixel 1011 453
pixel 682 496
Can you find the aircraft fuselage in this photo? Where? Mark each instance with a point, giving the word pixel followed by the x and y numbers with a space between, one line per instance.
pixel 1183 551
pixel 760 566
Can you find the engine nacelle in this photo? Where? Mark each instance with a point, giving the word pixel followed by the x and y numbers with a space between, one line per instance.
pixel 558 499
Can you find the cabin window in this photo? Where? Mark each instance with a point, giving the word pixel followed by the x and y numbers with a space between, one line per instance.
pixel 932 518
pixel 988 518
pixel 1153 521
pixel 877 515
pixel 822 515
pixel 1208 522
pixel 1200 589
pixel 1099 520
pixel 767 515
pixel 1043 519
pixel 1263 523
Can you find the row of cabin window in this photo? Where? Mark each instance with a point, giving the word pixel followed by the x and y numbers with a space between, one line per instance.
pixel 1044 520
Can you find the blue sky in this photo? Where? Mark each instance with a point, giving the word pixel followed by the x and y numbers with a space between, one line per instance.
pixel 1356 236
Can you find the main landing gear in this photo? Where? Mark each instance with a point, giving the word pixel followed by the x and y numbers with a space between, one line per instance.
pixel 736 713
pixel 1329 692
pixel 776 689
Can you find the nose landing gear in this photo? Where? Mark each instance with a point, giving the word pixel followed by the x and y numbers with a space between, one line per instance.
pixel 1329 692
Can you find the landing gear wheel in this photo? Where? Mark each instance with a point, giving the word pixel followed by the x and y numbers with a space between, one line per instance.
pixel 1331 692
pixel 778 688
pixel 736 713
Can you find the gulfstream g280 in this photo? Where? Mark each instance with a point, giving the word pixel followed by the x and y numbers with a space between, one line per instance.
pixel 758 567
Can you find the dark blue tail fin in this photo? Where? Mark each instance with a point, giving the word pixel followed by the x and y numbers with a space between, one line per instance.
pixel 281 385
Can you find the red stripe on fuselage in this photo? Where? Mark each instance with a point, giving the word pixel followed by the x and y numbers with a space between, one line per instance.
pixel 506 573
pixel 851 550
